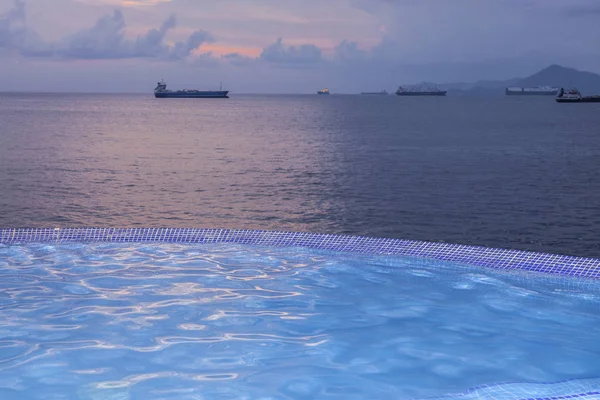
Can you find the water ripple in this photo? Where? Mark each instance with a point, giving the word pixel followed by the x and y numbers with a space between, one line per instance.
pixel 126 321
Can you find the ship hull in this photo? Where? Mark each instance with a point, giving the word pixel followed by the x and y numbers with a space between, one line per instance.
pixel 440 93
pixel 590 99
pixel 568 100
pixel 193 95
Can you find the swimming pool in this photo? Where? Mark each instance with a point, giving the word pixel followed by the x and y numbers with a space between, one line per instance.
pixel 218 314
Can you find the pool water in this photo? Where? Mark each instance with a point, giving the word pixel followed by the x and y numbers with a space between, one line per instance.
pixel 171 321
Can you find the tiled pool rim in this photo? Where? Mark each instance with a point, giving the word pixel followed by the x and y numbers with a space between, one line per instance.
pixel 502 259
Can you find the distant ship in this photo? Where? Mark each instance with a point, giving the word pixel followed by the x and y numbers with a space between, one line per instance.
pixel 382 92
pixel 421 90
pixel 574 96
pixel 323 91
pixel 532 91
pixel 161 92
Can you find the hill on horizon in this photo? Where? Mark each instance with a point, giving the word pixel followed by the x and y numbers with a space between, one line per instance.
pixel 553 75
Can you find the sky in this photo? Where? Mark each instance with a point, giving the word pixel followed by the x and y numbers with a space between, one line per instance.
pixel 287 46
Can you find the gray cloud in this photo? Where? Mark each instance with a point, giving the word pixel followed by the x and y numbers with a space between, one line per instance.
pixel 238 60
pixel 348 51
pixel 475 31
pixel 389 42
pixel 183 49
pixel 583 10
pixel 152 42
pixel 16 37
pixel 206 60
pixel 12 26
pixel 302 55
pixel 104 40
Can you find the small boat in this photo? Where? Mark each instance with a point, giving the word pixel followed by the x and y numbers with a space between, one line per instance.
pixel 323 91
pixel 574 96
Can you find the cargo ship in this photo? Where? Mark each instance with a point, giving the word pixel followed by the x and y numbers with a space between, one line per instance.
pixel 532 91
pixel 421 90
pixel 323 91
pixel 574 96
pixel 161 92
pixel 382 92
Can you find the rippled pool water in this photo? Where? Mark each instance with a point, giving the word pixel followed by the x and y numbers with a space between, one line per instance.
pixel 166 321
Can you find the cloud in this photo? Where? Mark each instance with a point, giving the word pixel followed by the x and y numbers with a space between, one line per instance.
pixel 238 60
pixel 140 3
pixel 370 6
pixel 583 10
pixel 152 42
pixel 183 49
pixel 15 37
pixel 12 26
pixel 302 55
pixel 206 60
pixel 144 2
pixel 105 40
pixel 348 45
pixel 472 31
pixel 348 51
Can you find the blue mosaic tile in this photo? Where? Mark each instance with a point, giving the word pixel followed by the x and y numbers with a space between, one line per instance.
pixel 583 389
pixel 477 256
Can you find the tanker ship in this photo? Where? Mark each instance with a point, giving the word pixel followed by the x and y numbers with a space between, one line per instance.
pixel 161 92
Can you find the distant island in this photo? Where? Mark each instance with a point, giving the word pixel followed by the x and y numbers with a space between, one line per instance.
pixel 554 75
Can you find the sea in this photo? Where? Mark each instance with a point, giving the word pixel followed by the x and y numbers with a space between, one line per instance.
pixel 509 172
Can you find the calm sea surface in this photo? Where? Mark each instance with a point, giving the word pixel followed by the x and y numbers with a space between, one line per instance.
pixel 505 172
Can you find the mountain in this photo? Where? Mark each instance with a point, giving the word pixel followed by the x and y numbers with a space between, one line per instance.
pixel 480 85
pixel 554 75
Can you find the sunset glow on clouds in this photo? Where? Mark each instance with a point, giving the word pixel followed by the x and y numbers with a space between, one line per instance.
pixel 125 3
pixel 308 42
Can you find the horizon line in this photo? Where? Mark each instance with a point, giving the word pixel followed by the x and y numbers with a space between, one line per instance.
pixel 3 92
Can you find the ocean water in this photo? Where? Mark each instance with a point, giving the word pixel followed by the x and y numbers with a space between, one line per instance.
pixel 502 172
pixel 166 321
